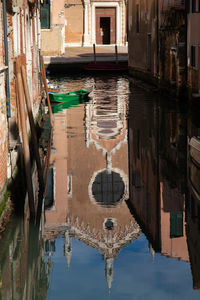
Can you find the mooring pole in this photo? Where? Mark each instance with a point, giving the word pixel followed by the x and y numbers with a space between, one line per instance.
pixel 46 90
pixel 33 131
pixel 47 162
pixel 116 55
pixel 94 51
pixel 27 159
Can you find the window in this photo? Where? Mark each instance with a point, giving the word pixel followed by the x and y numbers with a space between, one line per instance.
pixel 137 18
pixel 45 14
pixel 193 56
pixel 193 6
pixel 176 224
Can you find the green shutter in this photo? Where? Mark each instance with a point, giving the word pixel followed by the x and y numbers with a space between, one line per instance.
pixel 176 224
pixel 45 16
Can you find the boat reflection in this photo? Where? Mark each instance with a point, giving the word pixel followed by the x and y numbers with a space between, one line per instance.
pixel 57 107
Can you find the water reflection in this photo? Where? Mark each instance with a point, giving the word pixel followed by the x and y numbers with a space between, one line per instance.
pixel 193 204
pixel 122 199
pixel 22 268
pixel 164 178
pixel 90 176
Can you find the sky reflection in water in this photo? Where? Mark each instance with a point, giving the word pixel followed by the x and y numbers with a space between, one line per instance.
pixel 136 274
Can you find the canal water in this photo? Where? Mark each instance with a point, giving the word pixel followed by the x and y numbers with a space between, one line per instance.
pixel 121 217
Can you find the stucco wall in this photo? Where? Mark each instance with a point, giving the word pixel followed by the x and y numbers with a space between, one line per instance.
pixel 138 41
pixel 74 27
pixel 51 41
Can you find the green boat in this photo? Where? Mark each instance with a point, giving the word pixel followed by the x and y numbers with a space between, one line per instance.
pixel 70 96
pixel 57 107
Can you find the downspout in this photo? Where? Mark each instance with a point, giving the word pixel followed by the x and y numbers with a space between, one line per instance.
pixel 6 59
pixel 158 43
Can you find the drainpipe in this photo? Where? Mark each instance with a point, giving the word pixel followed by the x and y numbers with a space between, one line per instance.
pixel 6 59
pixel 158 43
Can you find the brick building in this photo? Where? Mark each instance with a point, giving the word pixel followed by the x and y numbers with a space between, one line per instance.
pixel 82 23
pixel 3 112
pixel 158 27
pixel 20 40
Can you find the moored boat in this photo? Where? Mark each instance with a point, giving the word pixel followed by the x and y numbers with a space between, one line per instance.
pixel 75 95
pixel 106 67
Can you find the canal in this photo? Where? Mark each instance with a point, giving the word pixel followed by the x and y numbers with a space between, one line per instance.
pixel 121 217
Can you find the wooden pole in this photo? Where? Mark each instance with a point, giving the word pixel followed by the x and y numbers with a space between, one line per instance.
pixel 116 55
pixel 33 131
pixel 46 90
pixel 27 160
pixel 47 162
pixel 94 51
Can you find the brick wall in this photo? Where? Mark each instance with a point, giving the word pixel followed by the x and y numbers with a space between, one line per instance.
pixel 20 16
pixel 3 119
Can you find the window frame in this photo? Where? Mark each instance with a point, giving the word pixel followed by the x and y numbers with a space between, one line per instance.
pixel 45 13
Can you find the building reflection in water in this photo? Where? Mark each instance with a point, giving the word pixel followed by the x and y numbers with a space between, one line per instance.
pixel 22 267
pixel 164 176
pixel 193 204
pixel 90 176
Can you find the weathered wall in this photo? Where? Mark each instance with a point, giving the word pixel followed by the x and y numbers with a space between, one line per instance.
pixel 172 40
pixel 193 40
pixel 157 42
pixel 74 26
pixel 22 23
pixel 51 41
pixel 3 118
pixel 142 43
pixel 53 38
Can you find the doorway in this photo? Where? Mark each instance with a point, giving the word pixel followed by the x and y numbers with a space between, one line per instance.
pixel 105 30
pixel 105 25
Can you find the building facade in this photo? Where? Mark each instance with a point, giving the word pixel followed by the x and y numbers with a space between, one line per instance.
pixel 193 46
pixel 3 110
pixel 53 25
pixel 82 23
pixel 143 37
pixel 20 41
pixel 159 29
pixel 103 23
